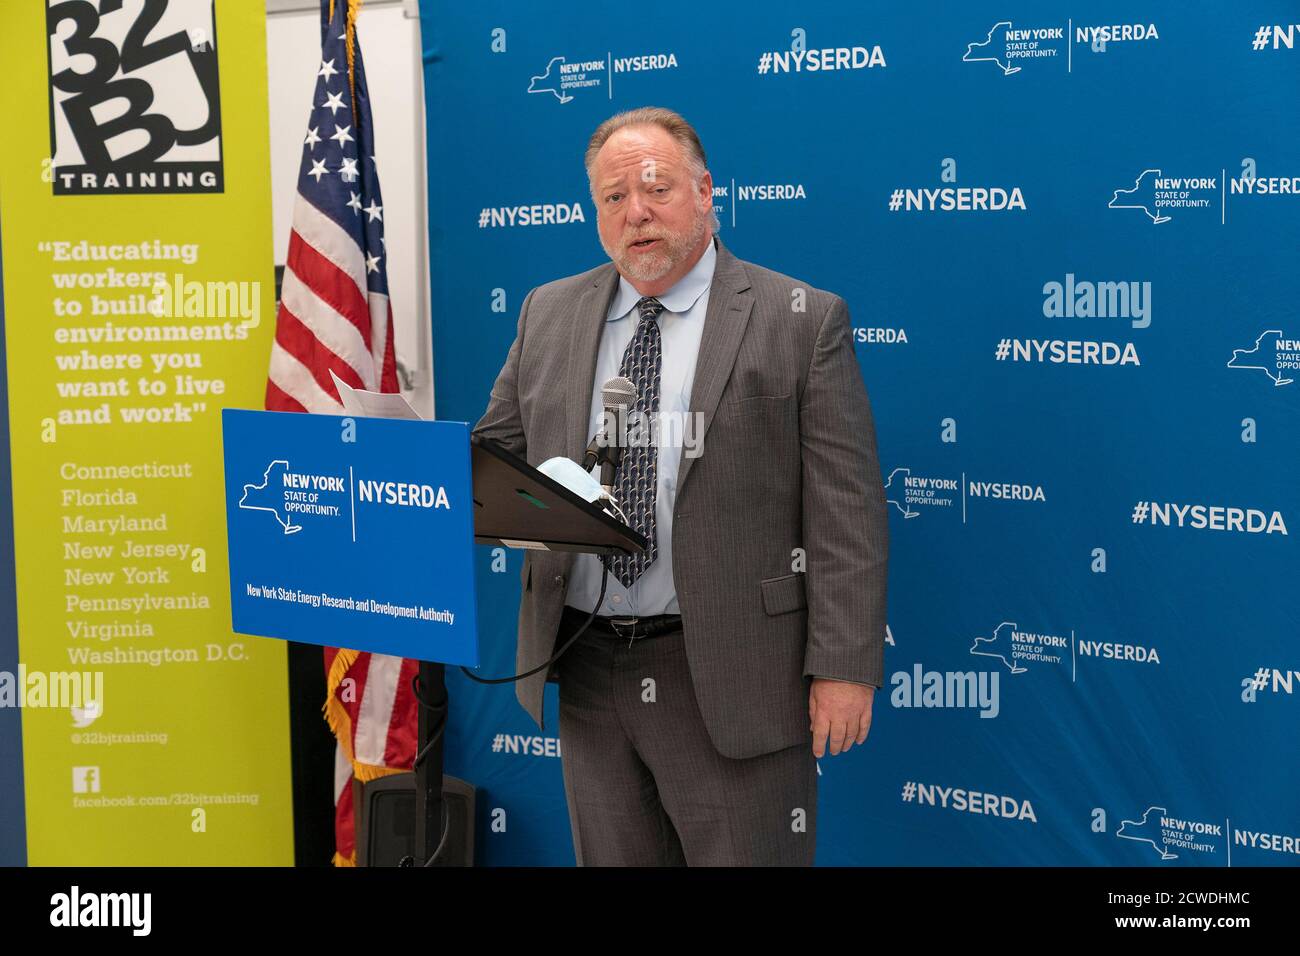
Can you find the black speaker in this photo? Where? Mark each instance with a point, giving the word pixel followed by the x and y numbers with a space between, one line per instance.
pixel 385 821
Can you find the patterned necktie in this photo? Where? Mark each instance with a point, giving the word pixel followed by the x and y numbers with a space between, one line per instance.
pixel 637 479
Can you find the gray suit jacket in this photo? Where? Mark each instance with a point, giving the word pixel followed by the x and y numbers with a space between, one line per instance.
pixel 788 462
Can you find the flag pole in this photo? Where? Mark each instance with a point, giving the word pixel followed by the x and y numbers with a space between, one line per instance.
pixel 431 827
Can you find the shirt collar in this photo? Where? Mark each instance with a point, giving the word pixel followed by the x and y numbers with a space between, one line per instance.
pixel 680 298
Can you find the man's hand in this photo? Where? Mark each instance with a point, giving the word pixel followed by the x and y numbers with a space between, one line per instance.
pixel 840 710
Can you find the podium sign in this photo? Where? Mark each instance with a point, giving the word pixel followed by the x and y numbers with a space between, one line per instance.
pixel 352 532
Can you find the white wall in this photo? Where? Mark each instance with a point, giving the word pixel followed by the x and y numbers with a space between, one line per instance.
pixel 390 42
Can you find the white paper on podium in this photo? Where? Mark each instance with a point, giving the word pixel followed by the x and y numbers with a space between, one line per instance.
pixel 358 401
pixel 530 545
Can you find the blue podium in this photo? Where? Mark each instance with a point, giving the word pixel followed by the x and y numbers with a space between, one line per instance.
pixel 357 532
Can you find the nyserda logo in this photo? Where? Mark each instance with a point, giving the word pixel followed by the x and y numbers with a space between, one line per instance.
pixel 1008 46
pixel 563 77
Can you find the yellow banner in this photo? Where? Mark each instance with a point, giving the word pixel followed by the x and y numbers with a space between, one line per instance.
pixel 139 298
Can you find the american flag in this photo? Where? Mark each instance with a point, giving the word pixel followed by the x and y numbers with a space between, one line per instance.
pixel 334 312
pixel 334 316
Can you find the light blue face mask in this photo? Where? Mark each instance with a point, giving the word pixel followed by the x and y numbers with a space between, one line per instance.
pixel 569 473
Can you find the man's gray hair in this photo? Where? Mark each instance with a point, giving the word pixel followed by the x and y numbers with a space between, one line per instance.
pixel 671 122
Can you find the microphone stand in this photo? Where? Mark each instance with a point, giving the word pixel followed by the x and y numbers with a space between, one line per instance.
pixel 608 454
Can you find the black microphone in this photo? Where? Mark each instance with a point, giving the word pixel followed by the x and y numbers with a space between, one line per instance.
pixel 618 395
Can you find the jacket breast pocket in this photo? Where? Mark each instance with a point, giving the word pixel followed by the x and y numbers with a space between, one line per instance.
pixel 751 403
pixel 761 415
pixel 784 594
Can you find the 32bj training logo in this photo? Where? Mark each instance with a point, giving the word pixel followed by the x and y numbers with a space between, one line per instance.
pixel 134 99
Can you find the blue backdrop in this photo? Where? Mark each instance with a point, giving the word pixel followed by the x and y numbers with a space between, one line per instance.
pixel 1067 238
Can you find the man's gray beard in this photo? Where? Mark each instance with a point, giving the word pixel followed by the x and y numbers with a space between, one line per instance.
pixel 657 265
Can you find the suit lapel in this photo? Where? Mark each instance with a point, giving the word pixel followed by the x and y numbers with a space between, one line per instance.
pixel 588 324
pixel 725 321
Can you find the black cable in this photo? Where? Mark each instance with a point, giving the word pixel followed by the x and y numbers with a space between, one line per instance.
pixel 604 583
pixel 439 712
pixel 442 842
pixel 439 717
pixel 409 861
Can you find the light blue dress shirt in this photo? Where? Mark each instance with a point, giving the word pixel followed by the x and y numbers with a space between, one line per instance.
pixel 681 326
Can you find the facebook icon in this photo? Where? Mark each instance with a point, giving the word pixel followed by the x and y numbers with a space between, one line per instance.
pixel 85 780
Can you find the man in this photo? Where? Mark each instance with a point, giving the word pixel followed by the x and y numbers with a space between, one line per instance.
pixel 756 617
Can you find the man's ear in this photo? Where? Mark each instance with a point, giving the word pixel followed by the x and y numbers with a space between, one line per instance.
pixel 706 189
